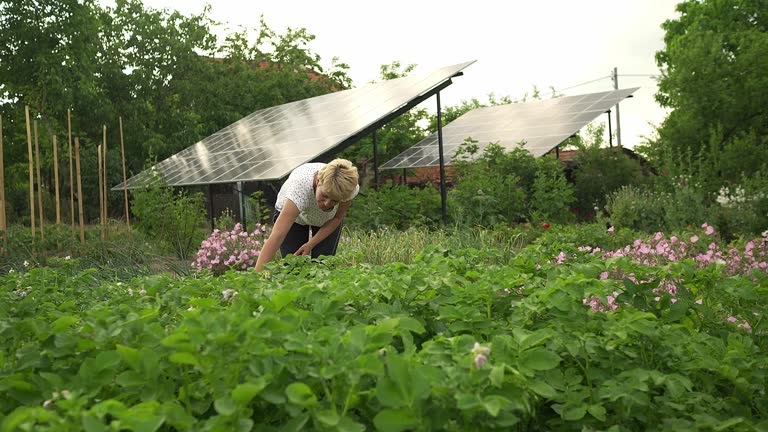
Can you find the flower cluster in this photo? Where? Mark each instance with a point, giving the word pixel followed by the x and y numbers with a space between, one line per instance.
pixel 660 250
pixel 236 249
pixel 481 354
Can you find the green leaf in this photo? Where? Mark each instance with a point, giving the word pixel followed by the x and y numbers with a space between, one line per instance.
pixel 130 356
pixel 107 360
pixel 389 394
pixel 184 358
pixel 130 379
pixel 346 424
pixel 300 394
pixel 542 389
pixel 63 323
pixel 282 298
pixel 225 406
pixel 497 375
pixel 574 412
pixel 394 420
pixel 411 325
pixel 243 393
pixel 539 359
pixel 493 404
pixel 328 417
pixel 93 424
pixel 597 411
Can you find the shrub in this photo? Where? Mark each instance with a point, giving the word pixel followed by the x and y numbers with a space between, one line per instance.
pixel 176 219
pixel 493 186
pixel 236 249
pixel 635 208
pixel 551 195
pixel 395 206
pixel 600 172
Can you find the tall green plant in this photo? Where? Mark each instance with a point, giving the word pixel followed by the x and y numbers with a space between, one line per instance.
pixel 176 218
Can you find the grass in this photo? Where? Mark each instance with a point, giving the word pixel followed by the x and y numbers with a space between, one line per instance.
pixel 387 245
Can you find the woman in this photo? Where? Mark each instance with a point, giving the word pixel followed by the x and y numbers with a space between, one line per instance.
pixel 316 196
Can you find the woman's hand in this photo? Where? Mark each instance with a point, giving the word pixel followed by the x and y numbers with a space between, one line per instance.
pixel 305 249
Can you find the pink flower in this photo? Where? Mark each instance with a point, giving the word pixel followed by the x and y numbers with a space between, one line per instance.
pixel 732 319
pixel 480 360
pixel 709 230
pixel 694 239
pixel 610 229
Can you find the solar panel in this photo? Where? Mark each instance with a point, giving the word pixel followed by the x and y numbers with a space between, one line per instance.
pixel 268 144
pixel 542 125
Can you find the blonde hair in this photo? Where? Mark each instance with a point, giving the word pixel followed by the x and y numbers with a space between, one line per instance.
pixel 338 179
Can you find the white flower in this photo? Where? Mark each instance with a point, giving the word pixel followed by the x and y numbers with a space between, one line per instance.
pixel 26 263
pixel 479 349
pixel 143 292
pixel 130 291
pixel 47 403
pixel 11 271
pixel 67 257
pixel 190 308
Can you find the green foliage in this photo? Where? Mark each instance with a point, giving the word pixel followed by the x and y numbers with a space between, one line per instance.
pixel 258 209
pixel 125 254
pixel 636 208
pixel 600 171
pixel 496 186
pixel 742 210
pixel 552 195
pixel 175 218
pixel 713 79
pixel 684 202
pixel 395 206
pixel 453 341
pixel 165 74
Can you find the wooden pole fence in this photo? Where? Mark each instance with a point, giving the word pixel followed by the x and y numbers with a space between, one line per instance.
pixel 31 175
pixel 3 220
pixel 101 195
pixel 56 179
pixel 125 182
pixel 39 186
pixel 71 176
pixel 79 190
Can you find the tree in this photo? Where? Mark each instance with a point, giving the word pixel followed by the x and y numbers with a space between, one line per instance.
pixel 714 79
pixel 164 73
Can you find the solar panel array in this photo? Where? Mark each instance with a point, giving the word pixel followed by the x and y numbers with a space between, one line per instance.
pixel 269 143
pixel 541 125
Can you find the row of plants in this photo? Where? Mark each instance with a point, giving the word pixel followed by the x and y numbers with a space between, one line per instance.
pixel 557 336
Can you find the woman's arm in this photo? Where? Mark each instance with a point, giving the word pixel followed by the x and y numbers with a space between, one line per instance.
pixel 325 230
pixel 283 224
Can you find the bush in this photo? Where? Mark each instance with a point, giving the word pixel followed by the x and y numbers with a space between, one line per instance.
pixel 551 195
pixel 600 172
pixel 635 208
pixel 742 210
pixel 395 206
pixel 236 249
pixel 177 219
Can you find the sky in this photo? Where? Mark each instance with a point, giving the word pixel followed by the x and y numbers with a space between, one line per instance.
pixel 517 45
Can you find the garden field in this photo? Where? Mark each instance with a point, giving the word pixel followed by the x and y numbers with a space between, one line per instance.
pixel 621 333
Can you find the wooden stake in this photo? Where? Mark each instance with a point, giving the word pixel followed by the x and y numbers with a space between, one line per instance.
pixel 3 221
pixel 56 179
pixel 79 190
pixel 31 175
pixel 101 196
pixel 125 182
pixel 39 187
pixel 71 179
pixel 106 195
